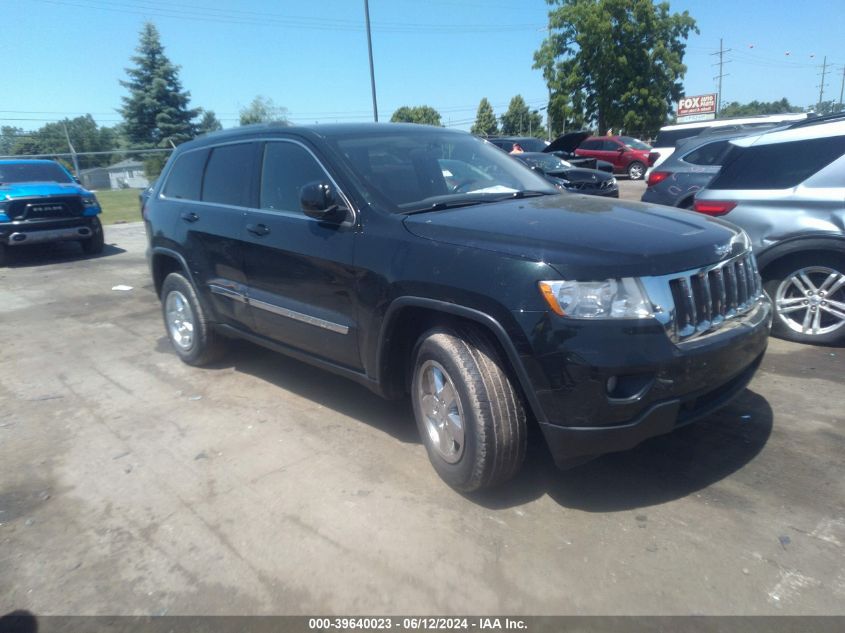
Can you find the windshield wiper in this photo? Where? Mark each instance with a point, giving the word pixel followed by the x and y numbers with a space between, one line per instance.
pixel 449 204
pixel 528 193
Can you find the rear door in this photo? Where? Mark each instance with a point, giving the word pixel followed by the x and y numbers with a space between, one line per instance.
pixel 299 271
pixel 209 189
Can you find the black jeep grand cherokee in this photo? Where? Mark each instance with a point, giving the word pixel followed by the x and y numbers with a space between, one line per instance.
pixel 423 260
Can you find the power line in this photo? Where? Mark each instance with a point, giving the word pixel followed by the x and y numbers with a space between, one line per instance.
pixel 230 17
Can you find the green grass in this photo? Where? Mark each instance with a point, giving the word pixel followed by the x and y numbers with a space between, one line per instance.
pixel 119 205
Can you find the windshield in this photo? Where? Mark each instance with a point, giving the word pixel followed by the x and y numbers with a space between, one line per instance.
pixel 634 143
pixel 546 162
pixel 33 172
pixel 410 170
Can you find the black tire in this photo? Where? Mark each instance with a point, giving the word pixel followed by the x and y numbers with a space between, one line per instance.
pixel 204 345
pixel 636 170
pixel 4 255
pixel 94 244
pixel 493 416
pixel 817 268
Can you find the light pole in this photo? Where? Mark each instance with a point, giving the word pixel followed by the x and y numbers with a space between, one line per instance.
pixel 370 49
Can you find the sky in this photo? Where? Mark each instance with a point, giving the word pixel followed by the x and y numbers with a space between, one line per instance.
pixel 64 58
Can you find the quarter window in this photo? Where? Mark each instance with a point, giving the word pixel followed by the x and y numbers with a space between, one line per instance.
pixel 777 165
pixel 185 177
pixel 287 168
pixel 708 155
pixel 228 175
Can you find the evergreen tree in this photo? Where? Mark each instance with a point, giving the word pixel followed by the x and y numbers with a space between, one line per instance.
pixel 521 120
pixel 156 111
pixel 485 120
pixel 208 122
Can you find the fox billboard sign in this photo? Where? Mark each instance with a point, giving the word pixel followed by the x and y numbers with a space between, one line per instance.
pixel 697 108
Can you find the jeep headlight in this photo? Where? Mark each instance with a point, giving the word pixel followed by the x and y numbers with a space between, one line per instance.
pixel 609 299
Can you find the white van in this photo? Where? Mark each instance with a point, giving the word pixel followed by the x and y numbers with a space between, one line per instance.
pixel 669 135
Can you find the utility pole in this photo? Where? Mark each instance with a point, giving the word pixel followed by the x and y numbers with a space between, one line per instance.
pixel 72 152
pixel 821 85
pixel 842 89
pixel 549 107
pixel 370 49
pixel 721 74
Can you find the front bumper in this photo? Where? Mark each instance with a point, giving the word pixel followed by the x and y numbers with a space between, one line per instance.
pixel 21 233
pixel 661 385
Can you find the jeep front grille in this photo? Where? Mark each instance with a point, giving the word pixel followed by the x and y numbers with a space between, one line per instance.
pixel 696 302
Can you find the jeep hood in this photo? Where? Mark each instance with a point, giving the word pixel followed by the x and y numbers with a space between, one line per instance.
pixel 583 237
pixel 14 190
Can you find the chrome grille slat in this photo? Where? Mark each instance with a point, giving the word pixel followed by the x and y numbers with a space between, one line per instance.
pixel 704 299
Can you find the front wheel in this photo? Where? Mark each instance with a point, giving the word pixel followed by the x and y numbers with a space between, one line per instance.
pixel 468 411
pixel 188 327
pixel 636 171
pixel 94 245
pixel 808 293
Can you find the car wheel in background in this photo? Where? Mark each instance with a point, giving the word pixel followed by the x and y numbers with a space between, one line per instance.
pixel 468 411
pixel 187 324
pixel 808 294
pixel 636 170
pixel 94 244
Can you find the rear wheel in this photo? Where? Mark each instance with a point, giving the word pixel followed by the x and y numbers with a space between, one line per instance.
pixel 468 411
pixel 191 333
pixel 636 170
pixel 808 293
pixel 94 245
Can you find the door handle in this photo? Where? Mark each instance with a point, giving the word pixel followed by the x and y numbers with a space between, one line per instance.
pixel 258 229
pixel 190 216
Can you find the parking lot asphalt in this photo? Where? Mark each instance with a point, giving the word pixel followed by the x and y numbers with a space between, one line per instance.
pixel 131 483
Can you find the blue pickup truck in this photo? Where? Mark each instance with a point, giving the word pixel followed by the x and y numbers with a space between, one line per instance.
pixel 41 202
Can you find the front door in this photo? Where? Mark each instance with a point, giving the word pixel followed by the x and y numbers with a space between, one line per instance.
pixel 300 279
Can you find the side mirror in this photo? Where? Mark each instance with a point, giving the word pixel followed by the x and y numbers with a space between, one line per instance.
pixel 319 201
pixel 77 180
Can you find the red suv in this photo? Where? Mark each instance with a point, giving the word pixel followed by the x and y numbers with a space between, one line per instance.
pixel 628 155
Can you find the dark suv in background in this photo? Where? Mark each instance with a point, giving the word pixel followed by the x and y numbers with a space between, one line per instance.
pixel 424 261
pixel 41 202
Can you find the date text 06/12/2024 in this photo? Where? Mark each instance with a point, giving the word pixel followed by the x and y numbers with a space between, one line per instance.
pixel 411 624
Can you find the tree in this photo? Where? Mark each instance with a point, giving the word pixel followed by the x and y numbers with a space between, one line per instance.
pixel 84 134
pixel 156 111
pixel 485 120
pixel 521 120
pixel 10 137
pixel 735 108
pixel 208 122
pixel 263 110
pixel 425 115
pixel 619 62
pixel 827 107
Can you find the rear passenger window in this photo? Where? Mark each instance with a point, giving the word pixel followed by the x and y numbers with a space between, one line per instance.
pixel 708 155
pixel 228 175
pixel 777 165
pixel 185 177
pixel 287 167
pixel 590 145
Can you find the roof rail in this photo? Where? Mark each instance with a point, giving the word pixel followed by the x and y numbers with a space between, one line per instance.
pixel 817 119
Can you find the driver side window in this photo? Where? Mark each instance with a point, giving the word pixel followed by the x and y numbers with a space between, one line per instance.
pixel 286 168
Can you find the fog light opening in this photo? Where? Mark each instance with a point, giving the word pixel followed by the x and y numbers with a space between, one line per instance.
pixel 628 388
